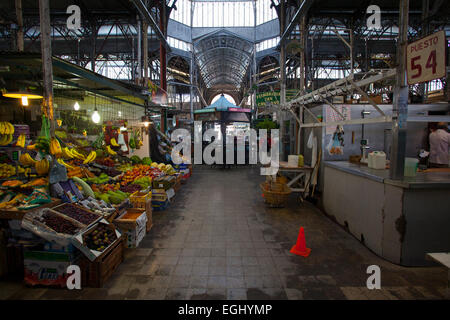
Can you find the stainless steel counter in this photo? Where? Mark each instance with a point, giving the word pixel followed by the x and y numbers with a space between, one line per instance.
pixel 422 180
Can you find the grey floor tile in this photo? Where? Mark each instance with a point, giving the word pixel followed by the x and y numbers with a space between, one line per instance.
pixel 236 294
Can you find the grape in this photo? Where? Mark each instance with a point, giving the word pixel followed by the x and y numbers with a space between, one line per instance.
pixel 77 213
pixel 59 224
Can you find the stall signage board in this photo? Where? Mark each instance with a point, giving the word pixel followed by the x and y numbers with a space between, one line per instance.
pixel 273 97
pixel 239 110
pixel 425 58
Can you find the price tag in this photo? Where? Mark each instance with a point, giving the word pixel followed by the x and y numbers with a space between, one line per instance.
pixel 425 58
pixel 170 193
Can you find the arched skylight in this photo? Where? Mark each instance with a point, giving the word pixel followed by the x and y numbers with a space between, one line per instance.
pixel 223 13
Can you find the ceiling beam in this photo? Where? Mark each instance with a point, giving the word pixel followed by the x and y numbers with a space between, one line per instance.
pixel 302 10
pixel 140 6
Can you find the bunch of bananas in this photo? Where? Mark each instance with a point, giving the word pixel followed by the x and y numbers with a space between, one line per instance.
pixel 114 142
pixel 21 141
pixel 110 151
pixel 6 139
pixel 55 147
pixel 25 171
pixel 26 160
pixel 6 128
pixel 62 162
pixel 42 167
pixel 67 153
pixel 91 157
pixel 77 155
pixel 6 170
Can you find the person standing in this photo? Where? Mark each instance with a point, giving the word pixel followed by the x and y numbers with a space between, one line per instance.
pixel 439 146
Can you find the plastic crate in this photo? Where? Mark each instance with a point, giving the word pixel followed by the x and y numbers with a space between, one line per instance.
pixel 160 205
pixel 159 195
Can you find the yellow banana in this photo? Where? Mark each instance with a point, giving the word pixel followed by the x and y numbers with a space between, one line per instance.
pixel 67 153
pixel 42 167
pixel 61 161
pixel 9 139
pixel 11 128
pixel 114 142
pixel 77 155
pixel 3 139
pixel 110 151
pixel 55 147
pixel 91 157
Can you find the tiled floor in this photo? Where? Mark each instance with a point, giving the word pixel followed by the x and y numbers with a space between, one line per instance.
pixel 217 240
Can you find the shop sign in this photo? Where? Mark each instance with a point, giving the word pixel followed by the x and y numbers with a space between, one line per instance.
pixel 239 110
pixel 273 97
pixel 425 58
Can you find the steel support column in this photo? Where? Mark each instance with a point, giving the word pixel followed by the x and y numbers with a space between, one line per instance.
pixel 163 61
pixel 191 69
pixel 145 49
pixel 19 35
pixel 139 48
pixel 303 37
pixel 282 77
pixel 47 67
pixel 400 106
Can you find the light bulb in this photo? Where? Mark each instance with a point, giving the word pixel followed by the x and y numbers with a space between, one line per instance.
pixel 24 100
pixel 120 113
pixel 76 106
pixel 96 117
pixel 146 123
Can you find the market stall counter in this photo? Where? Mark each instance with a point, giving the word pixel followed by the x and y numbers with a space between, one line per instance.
pixel 400 221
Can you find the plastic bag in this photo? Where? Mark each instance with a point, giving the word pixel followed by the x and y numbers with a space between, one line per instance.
pixel 310 140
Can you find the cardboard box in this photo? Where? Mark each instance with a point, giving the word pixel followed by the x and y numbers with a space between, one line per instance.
pixel 47 268
pixel 161 195
pixel 133 224
pixel 165 182
pixel 78 241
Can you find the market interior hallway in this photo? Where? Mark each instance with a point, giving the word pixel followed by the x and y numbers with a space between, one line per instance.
pixel 218 240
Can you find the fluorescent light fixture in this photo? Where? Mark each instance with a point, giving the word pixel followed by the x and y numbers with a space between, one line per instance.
pixel 19 95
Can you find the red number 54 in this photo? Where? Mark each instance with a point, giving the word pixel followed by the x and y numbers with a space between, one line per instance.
pixel 431 64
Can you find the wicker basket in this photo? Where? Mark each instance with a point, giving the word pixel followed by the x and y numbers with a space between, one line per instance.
pixel 275 194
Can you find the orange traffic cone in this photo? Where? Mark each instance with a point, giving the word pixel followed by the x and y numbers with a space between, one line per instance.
pixel 300 248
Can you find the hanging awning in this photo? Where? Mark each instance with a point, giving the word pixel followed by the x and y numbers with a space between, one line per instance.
pixel 222 104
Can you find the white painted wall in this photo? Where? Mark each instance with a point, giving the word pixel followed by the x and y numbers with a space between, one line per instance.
pixel 144 151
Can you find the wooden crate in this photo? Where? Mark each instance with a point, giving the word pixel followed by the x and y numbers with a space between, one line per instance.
pixel 149 213
pixel 95 274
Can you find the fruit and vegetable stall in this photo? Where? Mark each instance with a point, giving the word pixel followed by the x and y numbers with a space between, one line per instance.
pixel 65 200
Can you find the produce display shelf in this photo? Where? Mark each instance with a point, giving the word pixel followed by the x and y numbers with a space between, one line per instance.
pixel 16 214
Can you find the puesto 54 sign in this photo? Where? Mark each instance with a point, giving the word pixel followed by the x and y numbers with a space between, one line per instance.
pixel 425 58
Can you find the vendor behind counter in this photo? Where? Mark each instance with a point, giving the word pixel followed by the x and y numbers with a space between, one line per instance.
pixel 439 146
